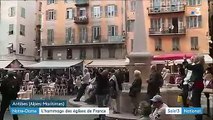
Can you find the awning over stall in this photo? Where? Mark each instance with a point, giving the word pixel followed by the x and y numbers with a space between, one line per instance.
pixel 174 56
pixel 177 59
pixel 26 63
pixel 54 64
pixel 4 63
pixel 108 63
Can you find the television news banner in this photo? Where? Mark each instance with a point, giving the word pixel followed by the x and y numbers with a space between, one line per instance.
pixel 54 107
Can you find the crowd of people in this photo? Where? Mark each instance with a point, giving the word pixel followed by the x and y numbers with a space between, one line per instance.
pixel 104 86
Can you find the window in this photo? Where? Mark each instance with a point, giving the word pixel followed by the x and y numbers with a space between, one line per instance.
pixel 23 12
pixel 193 2
pixel 21 49
pixel 49 54
pixel 11 12
pixel 82 54
pixel 50 36
pixel 82 12
pixel 83 34
pixel 96 32
pixel 175 44
pixel 51 15
pixel 194 21
pixel 133 5
pixel 69 53
pixel 70 13
pixel 22 30
pixel 111 10
pixel 11 28
pixel 158 44
pixel 112 30
pixel 111 52
pixel 69 35
pixel 97 53
pixel 130 25
pixel 51 1
pixel 96 11
pixel 157 23
pixel 194 43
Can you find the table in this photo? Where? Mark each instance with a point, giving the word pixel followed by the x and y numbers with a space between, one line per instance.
pixel 207 92
pixel 21 94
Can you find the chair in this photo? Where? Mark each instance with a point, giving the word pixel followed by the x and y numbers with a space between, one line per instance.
pixel 46 91
pixel 30 90
pixel 63 89
pixel 57 89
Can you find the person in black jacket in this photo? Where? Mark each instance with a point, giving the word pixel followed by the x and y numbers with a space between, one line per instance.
pixel 9 89
pixel 154 83
pixel 197 79
pixel 102 90
pixel 135 90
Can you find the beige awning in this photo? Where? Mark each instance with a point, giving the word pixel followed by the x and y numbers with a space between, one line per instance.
pixel 4 64
pixel 54 64
pixel 108 63
pixel 26 63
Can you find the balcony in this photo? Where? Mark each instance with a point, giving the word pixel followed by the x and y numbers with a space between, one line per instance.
pixel 87 41
pixel 81 20
pixel 115 39
pixel 166 31
pixel 166 9
pixel 82 3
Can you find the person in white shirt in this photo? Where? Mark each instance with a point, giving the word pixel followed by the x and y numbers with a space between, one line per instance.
pixel 27 76
pixel 166 76
pixel 85 83
pixel 159 112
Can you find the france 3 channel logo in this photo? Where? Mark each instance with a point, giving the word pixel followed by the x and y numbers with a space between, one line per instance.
pixel 184 110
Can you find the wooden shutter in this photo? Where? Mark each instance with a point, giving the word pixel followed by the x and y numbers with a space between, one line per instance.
pixel 54 14
pixel 73 35
pixel 86 30
pixel 52 35
pixel 101 11
pixel 109 30
pixel 187 22
pixel 199 21
pixel 66 35
pixel 116 30
pixel 106 11
pixel 47 15
pixel 92 12
pixel 93 33
pixel 116 10
pixel 73 13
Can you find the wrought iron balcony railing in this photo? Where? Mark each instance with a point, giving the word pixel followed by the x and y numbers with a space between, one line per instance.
pixel 166 9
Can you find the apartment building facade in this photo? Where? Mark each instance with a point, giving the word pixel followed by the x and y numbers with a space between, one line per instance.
pixel 175 26
pixel 17 30
pixel 83 29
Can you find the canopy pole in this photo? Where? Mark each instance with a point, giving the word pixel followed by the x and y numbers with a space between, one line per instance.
pixel 69 73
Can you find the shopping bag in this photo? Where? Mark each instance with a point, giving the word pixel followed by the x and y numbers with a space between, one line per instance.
pixel 179 99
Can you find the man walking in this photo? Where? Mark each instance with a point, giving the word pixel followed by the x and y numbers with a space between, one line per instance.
pixel 154 83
